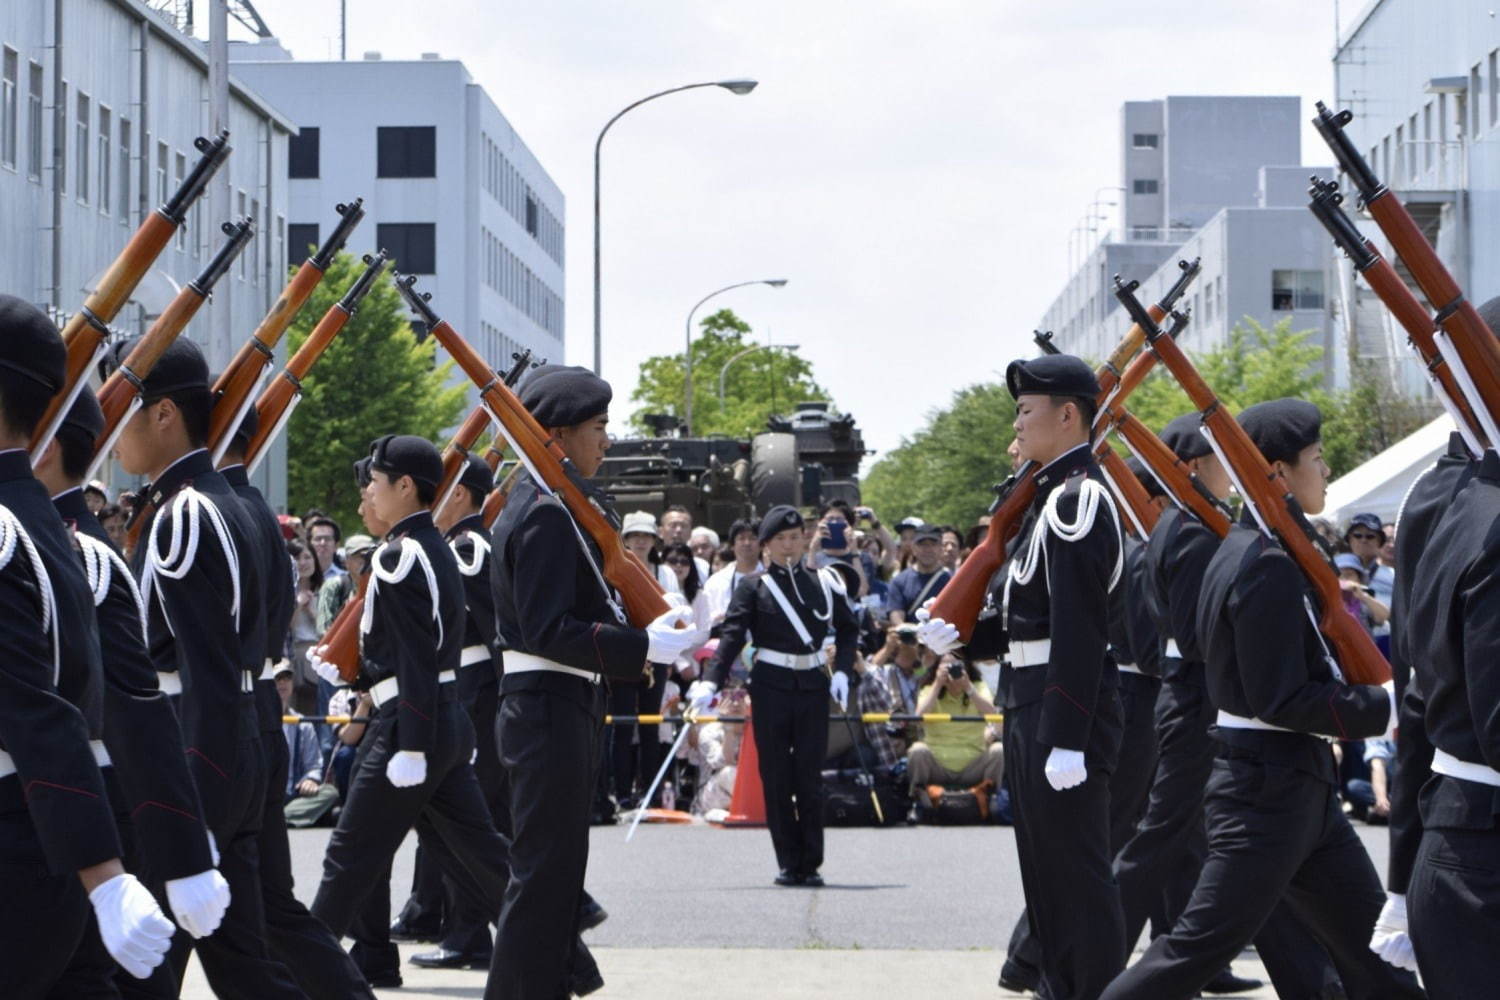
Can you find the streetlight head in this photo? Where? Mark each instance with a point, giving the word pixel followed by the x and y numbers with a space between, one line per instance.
pixel 741 87
pixel 776 282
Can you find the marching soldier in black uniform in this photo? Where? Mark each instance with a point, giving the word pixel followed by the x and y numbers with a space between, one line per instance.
pixel 1454 894
pixel 295 937
pixel 1062 710
pixel 156 803
pixel 1274 822
pixel 201 580
pixel 61 847
pixel 556 622
pixel 793 614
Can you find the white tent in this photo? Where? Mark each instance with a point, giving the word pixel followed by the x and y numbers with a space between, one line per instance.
pixel 1379 485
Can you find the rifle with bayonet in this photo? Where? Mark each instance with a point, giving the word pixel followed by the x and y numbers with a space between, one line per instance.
pixel 640 593
pixel 962 598
pixel 120 395
pixel 1269 500
pixel 87 333
pixel 234 390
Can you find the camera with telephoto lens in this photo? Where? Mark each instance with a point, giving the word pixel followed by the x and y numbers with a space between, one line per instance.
pixel 907 634
pixel 955 670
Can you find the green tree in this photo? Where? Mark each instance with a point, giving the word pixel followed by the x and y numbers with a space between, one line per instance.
pixel 757 386
pixel 374 379
pixel 944 472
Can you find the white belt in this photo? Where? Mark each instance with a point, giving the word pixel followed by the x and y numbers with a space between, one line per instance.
pixel 792 661
pixel 101 757
pixel 1170 649
pixel 526 663
pixel 1446 764
pixel 1227 720
pixel 472 655
pixel 1029 652
pixel 268 672
pixel 1129 668
pixel 387 689
pixel 247 681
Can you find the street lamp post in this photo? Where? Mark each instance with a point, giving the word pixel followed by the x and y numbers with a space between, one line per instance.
pixel 739 87
pixel 687 350
pixel 748 351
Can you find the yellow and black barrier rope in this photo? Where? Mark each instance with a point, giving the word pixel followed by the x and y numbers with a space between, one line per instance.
pixel 657 720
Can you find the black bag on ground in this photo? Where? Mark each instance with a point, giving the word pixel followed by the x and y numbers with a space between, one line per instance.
pixel 956 807
pixel 846 800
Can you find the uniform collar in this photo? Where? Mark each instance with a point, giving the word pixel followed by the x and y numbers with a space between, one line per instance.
pixel 235 475
pixel 410 523
pixel 179 473
pixel 474 522
pixel 1063 466
pixel 71 505
pixel 15 463
pixel 1489 465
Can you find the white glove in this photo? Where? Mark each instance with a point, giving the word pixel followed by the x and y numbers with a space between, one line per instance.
pixel 134 929
pixel 925 611
pixel 1065 768
pixel 700 694
pixel 665 642
pixel 938 636
pixel 1390 940
pixel 838 687
pixel 199 901
pixel 406 768
pixel 328 671
pixel 675 599
pixel 1390 727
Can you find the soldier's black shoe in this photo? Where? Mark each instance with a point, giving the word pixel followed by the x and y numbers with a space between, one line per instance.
pixel 583 985
pixel 384 980
pixel 812 880
pixel 1019 978
pixel 1227 982
pixel 401 930
pixel 788 877
pixel 591 915
pixel 448 958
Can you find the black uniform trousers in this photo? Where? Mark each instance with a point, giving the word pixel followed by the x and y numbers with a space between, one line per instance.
pixel 1062 844
pixel 550 729
pixel 468 925
pixel 1128 790
pixel 1413 770
pixel 1453 901
pixel 790 711
pixel 1274 833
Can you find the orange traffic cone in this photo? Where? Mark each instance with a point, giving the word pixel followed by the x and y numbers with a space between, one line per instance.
pixel 747 807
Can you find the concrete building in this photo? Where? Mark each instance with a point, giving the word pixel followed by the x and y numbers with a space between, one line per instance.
pixel 96 129
pixel 450 189
pixel 1215 178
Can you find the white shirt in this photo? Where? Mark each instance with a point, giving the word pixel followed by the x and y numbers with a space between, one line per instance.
pixel 719 589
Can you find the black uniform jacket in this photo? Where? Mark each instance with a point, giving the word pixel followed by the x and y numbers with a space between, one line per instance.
pixel 547 600
pixel 755 616
pixel 49 710
pixel 1138 641
pixel 1456 598
pixel 1178 552
pixel 141 730
pixel 1061 573
pixel 1264 659
pixel 194 625
pixel 413 625
pixel 279 574
pixel 471 545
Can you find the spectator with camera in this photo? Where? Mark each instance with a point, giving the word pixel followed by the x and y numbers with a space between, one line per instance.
pixel 920 581
pixel 961 754
pixel 898 666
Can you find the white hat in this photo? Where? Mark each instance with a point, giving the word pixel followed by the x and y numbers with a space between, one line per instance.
pixel 638 522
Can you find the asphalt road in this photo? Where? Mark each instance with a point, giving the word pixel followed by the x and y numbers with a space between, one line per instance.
pixel 905 909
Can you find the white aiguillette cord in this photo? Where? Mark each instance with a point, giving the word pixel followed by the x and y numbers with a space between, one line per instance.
pixel 182 548
pixel 12 534
pixel 411 554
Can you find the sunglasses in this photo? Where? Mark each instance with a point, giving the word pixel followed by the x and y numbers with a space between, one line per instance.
pixel 679 561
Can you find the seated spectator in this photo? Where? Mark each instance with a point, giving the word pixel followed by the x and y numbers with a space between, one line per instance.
pixel 898 665
pixel 358 705
pixel 1370 798
pixel 922 580
pixel 955 753
pixel 886 741
pixel 1359 599
pixel 304 773
pixel 112 518
pixel 714 749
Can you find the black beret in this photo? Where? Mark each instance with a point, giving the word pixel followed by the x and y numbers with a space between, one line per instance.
pixel 362 472
pixel 400 455
pixel 85 418
pixel 778 519
pixel 1051 375
pixel 927 533
pixel 1281 428
pixel 564 395
pixel 181 367
pixel 1183 437
pixel 476 475
pixel 1144 476
pixel 743 524
pixel 30 344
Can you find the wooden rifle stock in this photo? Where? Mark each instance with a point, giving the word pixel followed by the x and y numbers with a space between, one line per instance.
pixel 122 390
pixel 639 591
pixel 1473 343
pixel 1139 509
pixel 495 502
pixel 277 400
pixel 1326 204
pixel 1268 497
pixel 1169 471
pixel 962 598
pixel 87 331
pixel 340 644
pixel 232 391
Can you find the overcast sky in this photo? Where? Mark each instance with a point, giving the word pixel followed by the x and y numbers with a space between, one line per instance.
pixel 913 168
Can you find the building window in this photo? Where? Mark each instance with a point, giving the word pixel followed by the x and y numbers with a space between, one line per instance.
pixel 81 149
pixel 179 174
pixel 280 262
pixel 1476 88
pixel 254 248
pixel 241 210
pixel 302 153
pixel 1494 87
pixel 161 173
pixel 1296 290
pixel 531 215
pixel 1409 162
pixel 1145 140
pixel 1143 232
pixel 124 156
pixel 302 242
pixel 1144 187
pixel 106 132
pixel 60 139
pixel 413 245
pixel 10 106
pixel 34 123
pixel 406 151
